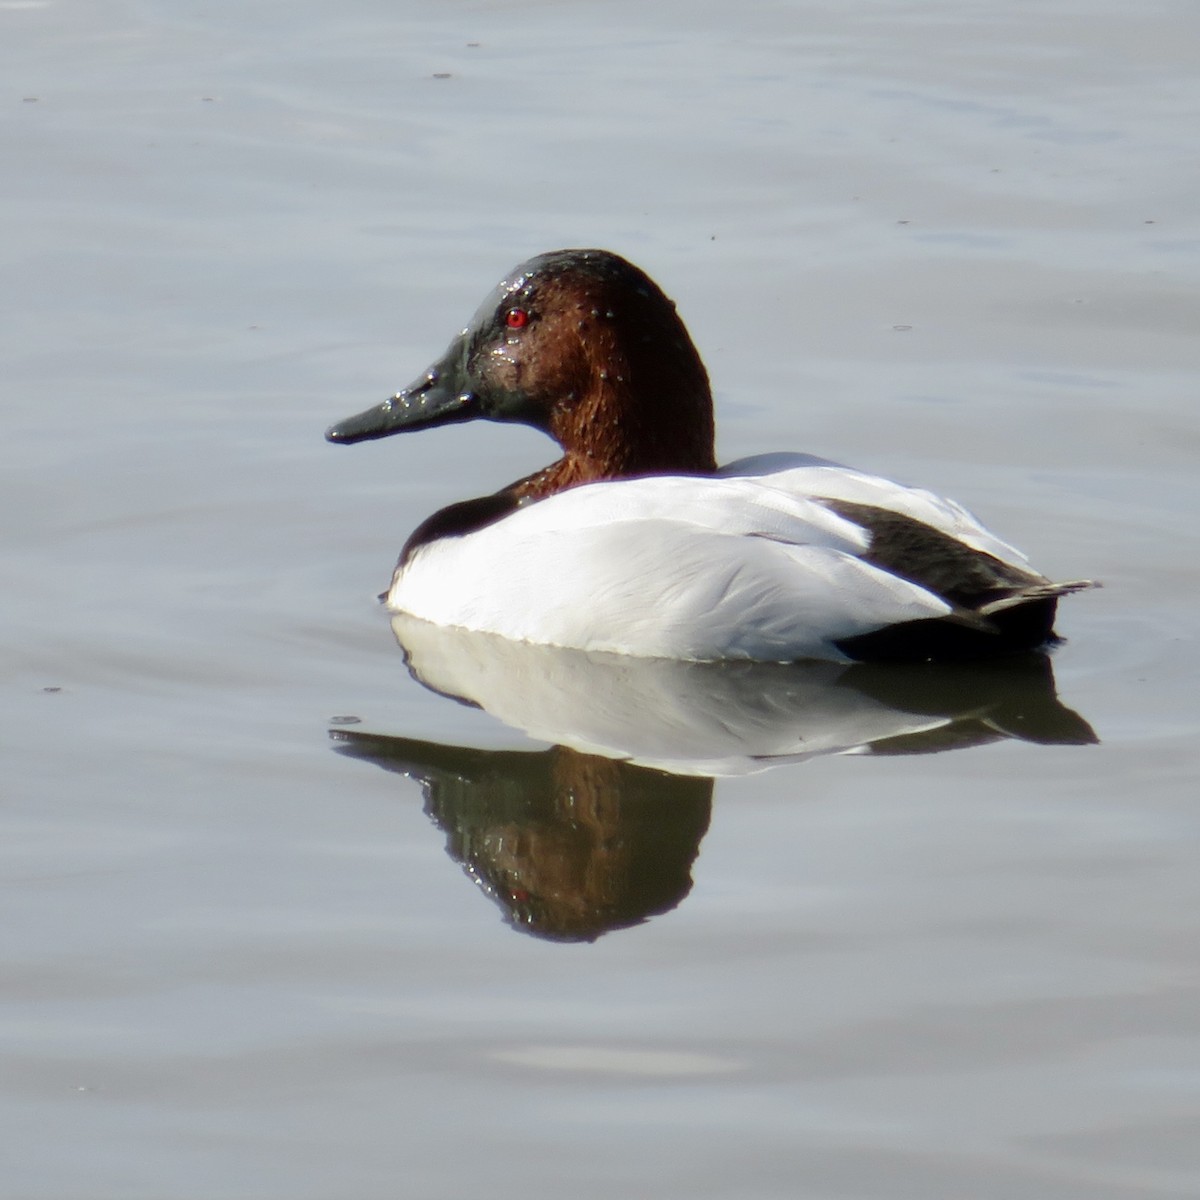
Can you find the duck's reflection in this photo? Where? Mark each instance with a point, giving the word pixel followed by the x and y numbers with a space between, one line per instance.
pixel 600 831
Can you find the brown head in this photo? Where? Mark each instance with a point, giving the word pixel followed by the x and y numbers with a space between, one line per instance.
pixel 584 346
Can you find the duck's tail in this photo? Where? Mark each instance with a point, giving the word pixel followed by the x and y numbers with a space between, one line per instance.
pixel 1034 592
pixel 1024 619
pixel 1021 619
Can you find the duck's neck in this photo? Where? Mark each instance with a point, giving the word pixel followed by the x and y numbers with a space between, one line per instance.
pixel 613 434
pixel 567 472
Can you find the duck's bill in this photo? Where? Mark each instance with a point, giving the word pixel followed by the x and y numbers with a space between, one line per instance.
pixel 432 400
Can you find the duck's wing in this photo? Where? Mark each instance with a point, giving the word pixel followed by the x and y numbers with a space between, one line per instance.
pixel 921 536
pixel 812 477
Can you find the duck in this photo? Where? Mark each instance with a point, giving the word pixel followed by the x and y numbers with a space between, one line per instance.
pixel 635 543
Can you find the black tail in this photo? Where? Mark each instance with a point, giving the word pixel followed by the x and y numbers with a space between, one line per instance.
pixel 1021 620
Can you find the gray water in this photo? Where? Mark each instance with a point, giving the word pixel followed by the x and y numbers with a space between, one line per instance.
pixel 955 243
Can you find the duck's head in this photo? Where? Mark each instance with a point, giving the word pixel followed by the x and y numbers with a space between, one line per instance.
pixel 582 345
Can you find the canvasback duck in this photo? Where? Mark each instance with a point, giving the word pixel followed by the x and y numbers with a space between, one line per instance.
pixel 634 542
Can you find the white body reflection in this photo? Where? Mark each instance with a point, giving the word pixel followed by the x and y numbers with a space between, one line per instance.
pixel 720 719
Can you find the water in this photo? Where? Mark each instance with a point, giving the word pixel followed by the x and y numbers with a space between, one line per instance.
pixel 956 244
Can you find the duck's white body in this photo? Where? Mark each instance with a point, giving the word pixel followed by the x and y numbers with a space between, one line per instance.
pixel 745 564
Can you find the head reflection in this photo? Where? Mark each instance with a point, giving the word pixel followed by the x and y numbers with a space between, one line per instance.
pixel 569 845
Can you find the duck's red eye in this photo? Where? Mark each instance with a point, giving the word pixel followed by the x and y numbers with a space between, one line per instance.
pixel 516 318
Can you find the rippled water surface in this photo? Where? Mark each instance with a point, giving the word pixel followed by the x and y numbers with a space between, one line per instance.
pixel 614 931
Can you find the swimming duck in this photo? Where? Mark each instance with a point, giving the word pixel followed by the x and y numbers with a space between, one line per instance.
pixel 634 542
